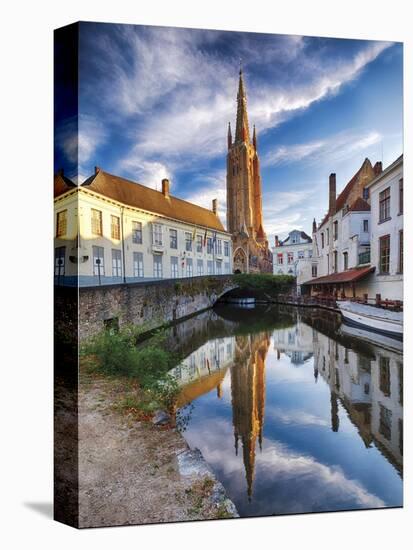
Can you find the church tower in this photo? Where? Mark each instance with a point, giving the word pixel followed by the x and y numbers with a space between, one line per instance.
pixel 244 194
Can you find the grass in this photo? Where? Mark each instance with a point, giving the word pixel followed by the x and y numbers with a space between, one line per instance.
pixel 144 368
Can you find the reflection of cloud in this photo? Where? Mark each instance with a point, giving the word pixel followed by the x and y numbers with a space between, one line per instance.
pixel 296 416
pixel 302 484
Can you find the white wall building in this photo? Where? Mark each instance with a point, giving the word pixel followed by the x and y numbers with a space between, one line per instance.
pixel 386 241
pixel 293 255
pixel 111 230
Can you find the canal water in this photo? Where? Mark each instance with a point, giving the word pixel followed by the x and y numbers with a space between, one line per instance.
pixel 292 414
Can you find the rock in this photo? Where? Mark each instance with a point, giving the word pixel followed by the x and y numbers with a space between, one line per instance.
pixel 161 418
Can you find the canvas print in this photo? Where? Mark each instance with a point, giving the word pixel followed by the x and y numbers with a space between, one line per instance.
pixel 228 274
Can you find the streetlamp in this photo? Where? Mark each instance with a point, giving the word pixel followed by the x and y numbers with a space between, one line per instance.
pixel 98 261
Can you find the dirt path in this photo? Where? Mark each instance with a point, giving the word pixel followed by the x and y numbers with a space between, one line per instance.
pixel 133 472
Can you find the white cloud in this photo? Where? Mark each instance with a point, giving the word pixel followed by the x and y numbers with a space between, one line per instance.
pixel 175 96
pixel 92 133
pixel 211 187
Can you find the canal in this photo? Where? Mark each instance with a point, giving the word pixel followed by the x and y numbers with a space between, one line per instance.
pixel 292 414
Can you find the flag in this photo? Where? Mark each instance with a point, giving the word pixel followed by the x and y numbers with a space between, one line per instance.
pixel 194 234
pixel 214 237
pixel 205 237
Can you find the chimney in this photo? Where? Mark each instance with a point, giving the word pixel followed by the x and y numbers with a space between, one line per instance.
pixel 332 195
pixel 314 226
pixel 277 242
pixel 97 170
pixel 378 168
pixel 165 187
pixel 215 206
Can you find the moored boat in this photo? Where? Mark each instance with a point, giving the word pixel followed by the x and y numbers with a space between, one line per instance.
pixel 372 318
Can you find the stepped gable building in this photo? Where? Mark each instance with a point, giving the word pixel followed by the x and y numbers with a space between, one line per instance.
pixel 251 253
pixel 341 243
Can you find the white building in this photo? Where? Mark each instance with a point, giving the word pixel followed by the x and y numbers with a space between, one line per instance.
pixel 112 230
pixel 293 255
pixel 386 240
pixel 341 243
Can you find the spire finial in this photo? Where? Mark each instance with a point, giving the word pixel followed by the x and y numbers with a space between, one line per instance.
pixel 240 65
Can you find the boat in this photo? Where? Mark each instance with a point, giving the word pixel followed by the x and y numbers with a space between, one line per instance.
pixel 371 318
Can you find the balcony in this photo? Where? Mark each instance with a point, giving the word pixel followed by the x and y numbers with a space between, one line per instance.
pixel 364 257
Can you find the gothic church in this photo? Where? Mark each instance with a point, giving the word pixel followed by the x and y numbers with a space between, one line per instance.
pixel 251 253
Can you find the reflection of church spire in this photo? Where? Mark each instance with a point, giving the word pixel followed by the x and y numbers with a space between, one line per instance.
pixel 248 400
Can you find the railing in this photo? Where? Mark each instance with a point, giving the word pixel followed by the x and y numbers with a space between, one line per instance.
pixel 327 301
pixel 364 257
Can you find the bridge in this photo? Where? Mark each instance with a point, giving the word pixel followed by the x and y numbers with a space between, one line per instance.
pixel 151 303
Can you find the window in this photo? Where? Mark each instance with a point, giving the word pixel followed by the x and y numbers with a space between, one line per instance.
pixel 345 260
pixel 328 236
pixel 200 267
pixel 98 260
pixel 96 222
pixel 280 259
pixel 116 263
pixel 384 375
pixel 322 240
pixel 401 251
pixel 335 261
pixel 115 227
pixel 301 254
pixel 189 267
pixel 173 238
pixel 209 245
pixel 400 373
pixel 335 230
pixel 219 268
pixel 385 422
pixel 137 264
pixel 157 266
pixel 188 242
pixel 61 223
pixel 365 193
pixel 199 243
pixel 401 196
pixel 384 205
pixel 174 267
pixel 219 247
pixel 157 234
pixel 210 267
pixel 328 263
pixel 136 232
pixel 294 239
pixel 59 260
pixel 290 257
pixel 314 270
pixel 310 253
pixel 384 254
pixel 226 267
pixel 226 248
pixel 365 226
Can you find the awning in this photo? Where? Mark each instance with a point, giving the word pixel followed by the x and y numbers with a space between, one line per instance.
pixel 349 276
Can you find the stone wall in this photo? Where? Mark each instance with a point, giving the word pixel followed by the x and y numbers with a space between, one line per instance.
pixel 153 303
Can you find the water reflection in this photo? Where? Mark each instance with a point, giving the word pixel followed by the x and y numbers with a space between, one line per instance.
pixel 315 417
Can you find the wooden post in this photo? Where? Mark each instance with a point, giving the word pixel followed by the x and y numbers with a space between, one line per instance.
pixel 365 298
pixel 353 285
pixel 378 299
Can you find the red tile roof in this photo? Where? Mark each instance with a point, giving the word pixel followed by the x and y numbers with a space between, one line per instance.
pixel 343 196
pixel 360 205
pixel 349 276
pixel 62 184
pixel 137 195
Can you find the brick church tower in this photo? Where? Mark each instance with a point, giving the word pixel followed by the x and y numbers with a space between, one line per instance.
pixel 244 195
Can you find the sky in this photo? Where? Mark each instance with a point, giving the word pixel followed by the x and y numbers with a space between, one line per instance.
pixel 155 102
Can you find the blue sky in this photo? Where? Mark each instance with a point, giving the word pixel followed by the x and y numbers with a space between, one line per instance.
pixel 155 102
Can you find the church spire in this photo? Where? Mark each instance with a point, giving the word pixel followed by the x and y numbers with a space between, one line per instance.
pixel 242 132
pixel 229 136
pixel 254 138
